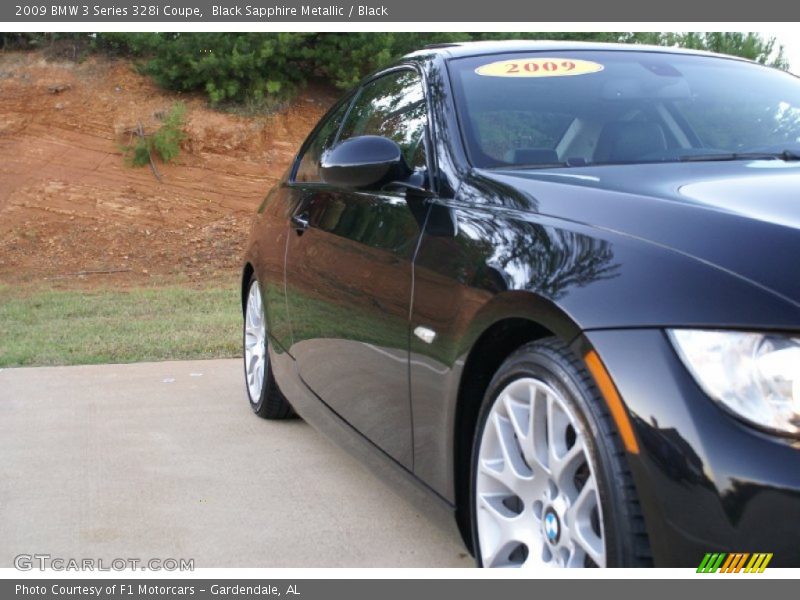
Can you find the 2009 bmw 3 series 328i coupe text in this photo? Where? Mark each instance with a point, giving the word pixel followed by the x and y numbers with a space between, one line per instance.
pixel 552 291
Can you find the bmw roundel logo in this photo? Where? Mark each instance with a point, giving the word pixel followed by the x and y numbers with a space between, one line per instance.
pixel 552 527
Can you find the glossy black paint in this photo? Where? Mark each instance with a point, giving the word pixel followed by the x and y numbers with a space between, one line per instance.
pixel 603 257
pixel 707 480
pixel 363 162
pixel 348 282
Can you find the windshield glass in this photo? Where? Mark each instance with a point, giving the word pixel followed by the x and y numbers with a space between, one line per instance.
pixel 579 108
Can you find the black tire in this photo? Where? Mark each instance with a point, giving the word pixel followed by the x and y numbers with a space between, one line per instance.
pixel 271 403
pixel 552 362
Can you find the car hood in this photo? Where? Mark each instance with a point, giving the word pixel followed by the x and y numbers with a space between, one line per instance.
pixel 741 216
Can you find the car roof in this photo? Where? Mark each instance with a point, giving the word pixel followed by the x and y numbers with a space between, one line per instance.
pixel 467 49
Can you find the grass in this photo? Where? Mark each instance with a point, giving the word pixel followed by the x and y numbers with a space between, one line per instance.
pixel 56 327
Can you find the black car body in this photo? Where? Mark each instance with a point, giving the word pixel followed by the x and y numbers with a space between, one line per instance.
pixel 389 310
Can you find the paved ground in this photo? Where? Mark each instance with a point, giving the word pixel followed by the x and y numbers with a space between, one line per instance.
pixel 166 460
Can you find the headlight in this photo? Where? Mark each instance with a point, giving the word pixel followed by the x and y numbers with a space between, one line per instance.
pixel 756 376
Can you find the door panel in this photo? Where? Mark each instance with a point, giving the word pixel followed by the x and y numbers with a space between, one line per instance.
pixel 348 273
pixel 271 235
pixel 349 288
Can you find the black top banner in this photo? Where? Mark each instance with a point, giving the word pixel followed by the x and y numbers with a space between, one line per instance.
pixel 393 11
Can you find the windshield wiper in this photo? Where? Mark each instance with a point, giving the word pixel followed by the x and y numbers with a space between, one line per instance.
pixel 786 155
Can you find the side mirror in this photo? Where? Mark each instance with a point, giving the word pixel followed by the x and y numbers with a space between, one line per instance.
pixel 363 162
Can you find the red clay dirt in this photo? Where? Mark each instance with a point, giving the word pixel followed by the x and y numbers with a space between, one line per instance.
pixel 72 212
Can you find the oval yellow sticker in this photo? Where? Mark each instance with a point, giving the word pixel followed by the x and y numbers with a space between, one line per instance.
pixel 539 67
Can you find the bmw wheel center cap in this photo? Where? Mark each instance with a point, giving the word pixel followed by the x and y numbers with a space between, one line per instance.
pixel 552 526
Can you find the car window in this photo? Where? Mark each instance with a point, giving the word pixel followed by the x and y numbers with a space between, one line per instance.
pixel 323 138
pixel 757 124
pixel 392 106
pixel 508 136
pixel 579 107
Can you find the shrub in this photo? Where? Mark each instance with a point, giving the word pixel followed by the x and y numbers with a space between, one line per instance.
pixel 261 69
pixel 127 44
pixel 165 142
pixel 231 66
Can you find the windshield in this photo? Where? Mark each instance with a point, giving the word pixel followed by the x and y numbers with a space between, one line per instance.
pixel 585 108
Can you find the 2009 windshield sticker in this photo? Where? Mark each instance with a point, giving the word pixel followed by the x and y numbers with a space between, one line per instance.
pixel 539 67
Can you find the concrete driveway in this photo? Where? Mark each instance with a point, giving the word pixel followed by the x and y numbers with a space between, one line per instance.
pixel 166 460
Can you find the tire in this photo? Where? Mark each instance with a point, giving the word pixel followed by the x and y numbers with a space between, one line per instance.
pixel 265 398
pixel 549 480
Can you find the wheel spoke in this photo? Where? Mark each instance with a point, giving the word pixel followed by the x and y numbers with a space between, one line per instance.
pixel 515 471
pixel 501 527
pixel 557 422
pixel 585 496
pixel 593 547
pixel 498 557
pixel 564 467
pixel 538 556
pixel 580 519
pixel 533 462
pixel 538 428
pixel 259 376
pixel 519 416
pixel 254 343
pixel 520 413
pixel 503 517
pixel 494 468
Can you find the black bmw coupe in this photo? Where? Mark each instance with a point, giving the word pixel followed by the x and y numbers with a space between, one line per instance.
pixel 551 290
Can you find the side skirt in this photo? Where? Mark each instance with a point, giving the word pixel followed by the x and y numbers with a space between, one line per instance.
pixel 322 418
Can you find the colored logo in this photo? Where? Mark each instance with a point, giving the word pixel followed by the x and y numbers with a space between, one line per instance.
pixel 552 528
pixel 737 562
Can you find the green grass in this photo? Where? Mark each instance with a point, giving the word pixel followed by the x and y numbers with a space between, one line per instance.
pixel 55 327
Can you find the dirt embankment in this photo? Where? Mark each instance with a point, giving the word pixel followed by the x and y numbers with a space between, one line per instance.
pixel 73 213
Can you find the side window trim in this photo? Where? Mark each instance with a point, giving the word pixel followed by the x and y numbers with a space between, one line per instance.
pixel 347 99
pixel 381 74
pixel 430 158
pixel 346 115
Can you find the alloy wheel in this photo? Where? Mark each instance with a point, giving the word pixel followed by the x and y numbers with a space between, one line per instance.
pixel 536 495
pixel 255 343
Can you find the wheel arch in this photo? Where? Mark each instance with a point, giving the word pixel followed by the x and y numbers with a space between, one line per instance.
pixel 508 322
pixel 247 273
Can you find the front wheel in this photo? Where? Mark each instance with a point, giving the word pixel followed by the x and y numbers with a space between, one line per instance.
pixel 550 483
pixel 266 399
